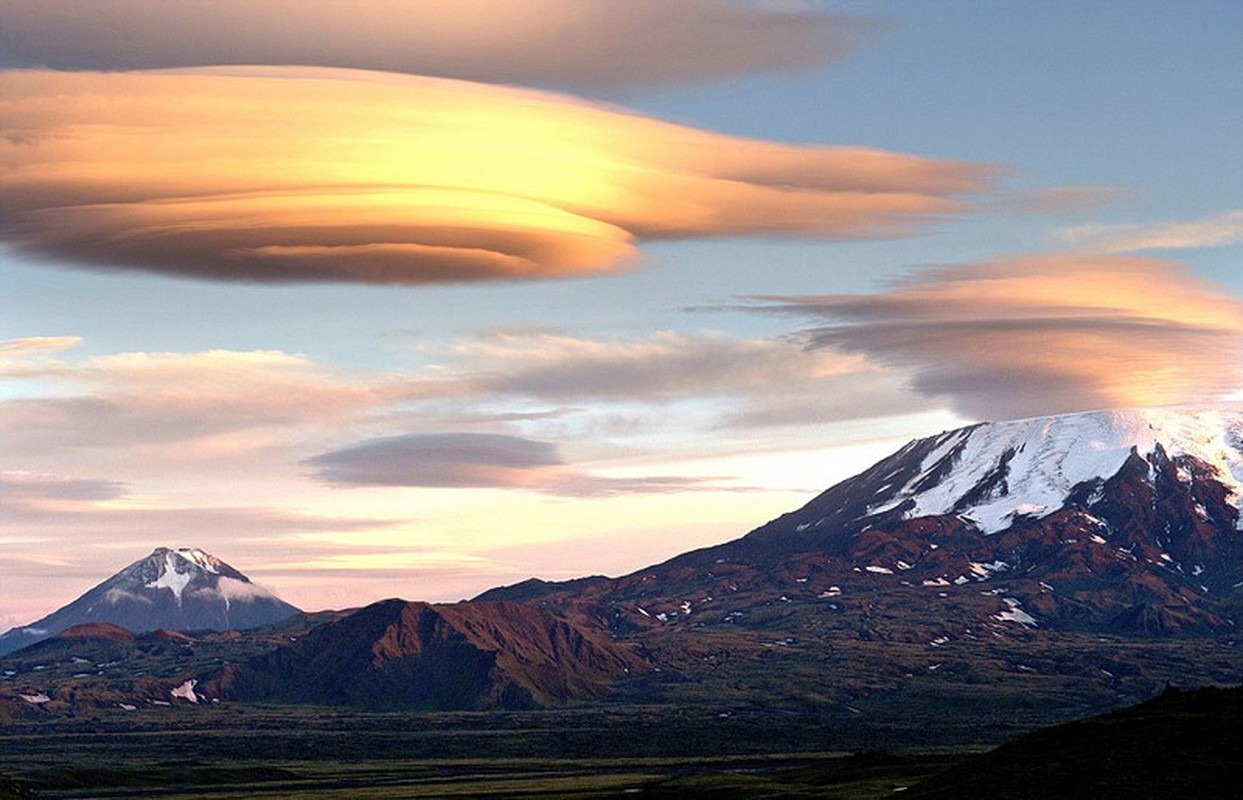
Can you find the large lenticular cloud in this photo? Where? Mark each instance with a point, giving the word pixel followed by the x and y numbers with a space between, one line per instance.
pixel 304 174
pixel 581 44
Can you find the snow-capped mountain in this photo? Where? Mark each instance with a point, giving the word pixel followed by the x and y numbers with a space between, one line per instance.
pixel 993 474
pixel 1120 521
pixel 178 589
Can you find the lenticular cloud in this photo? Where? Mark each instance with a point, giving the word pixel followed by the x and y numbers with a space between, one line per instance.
pixel 282 174
pixel 594 44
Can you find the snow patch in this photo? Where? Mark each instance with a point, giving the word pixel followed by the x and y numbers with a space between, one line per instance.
pixel 879 570
pixel 186 691
pixel 1015 614
pixel 984 571
pixel 170 578
pixel 36 699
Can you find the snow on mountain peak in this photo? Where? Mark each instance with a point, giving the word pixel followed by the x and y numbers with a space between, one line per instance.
pixel 992 472
pixel 201 558
pixel 175 569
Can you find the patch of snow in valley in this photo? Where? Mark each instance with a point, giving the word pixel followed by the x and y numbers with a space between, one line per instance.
pixel 186 691
pixel 1015 614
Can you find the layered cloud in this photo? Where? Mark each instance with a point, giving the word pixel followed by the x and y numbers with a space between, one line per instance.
pixel 1040 335
pixel 296 174
pixel 586 44
pixel 537 410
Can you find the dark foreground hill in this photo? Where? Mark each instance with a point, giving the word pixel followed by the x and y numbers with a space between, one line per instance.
pixel 1181 744
pixel 1178 745
pixel 9 790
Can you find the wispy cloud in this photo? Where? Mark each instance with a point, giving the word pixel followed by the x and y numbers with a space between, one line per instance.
pixel 1060 200
pixel 28 486
pixel 667 365
pixel 1047 334
pixel 297 174
pixel 585 44
pixel 214 406
pixel 749 383
pixel 1216 231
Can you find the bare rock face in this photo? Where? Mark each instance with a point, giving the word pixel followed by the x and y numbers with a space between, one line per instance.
pixel 399 654
pixel 176 589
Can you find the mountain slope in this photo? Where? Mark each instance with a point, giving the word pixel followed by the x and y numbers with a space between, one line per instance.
pixel 182 589
pixel 399 654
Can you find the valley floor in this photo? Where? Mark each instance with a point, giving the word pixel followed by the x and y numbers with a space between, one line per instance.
pixel 1180 744
pixel 596 752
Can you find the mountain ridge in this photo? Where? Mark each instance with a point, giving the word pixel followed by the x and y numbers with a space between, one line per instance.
pixel 403 654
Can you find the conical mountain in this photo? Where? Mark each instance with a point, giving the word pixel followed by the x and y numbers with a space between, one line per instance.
pixel 1123 521
pixel 177 589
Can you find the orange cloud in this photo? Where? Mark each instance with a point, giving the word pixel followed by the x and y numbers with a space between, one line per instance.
pixel 562 43
pixel 296 174
pixel 1044 334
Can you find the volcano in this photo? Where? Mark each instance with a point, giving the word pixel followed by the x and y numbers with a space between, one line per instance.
pixel 177 589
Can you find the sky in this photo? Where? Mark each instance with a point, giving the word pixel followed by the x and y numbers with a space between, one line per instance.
pixel 373 298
